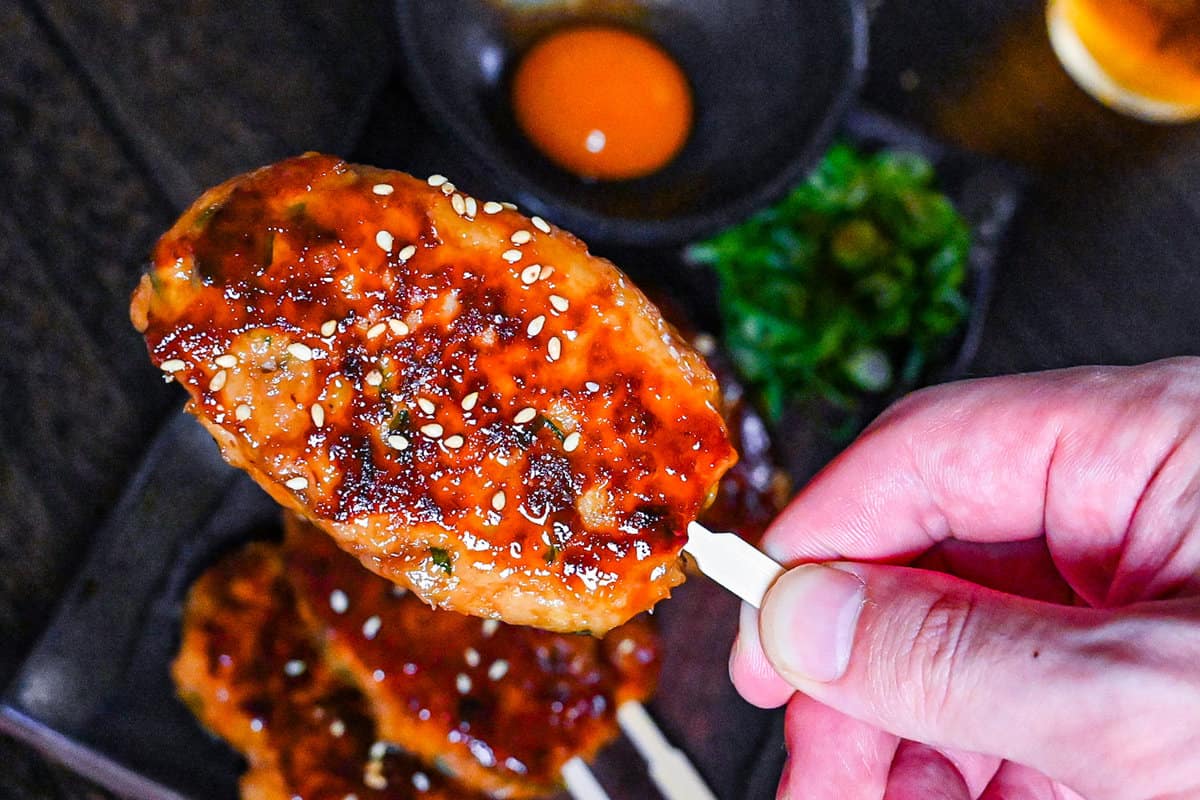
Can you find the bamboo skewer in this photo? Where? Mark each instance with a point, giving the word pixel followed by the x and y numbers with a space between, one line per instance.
pixel 670 769
pixel 732 562
pixel 581 783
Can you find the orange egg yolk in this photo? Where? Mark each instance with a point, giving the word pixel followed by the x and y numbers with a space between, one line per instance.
pixel 603 103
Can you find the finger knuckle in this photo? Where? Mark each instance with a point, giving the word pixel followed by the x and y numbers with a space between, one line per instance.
pixel 934 661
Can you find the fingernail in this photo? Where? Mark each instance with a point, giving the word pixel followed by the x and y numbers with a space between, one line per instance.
pixel 808 621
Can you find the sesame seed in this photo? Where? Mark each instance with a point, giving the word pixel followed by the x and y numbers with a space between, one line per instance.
pixel 448 188
pixel 530 274
pixel 592 386
pixel 378 675
pixel 378 750
pixel 472 207
pixel 469 401
pixel 436 180
pixel 338 601
pixel 492 207
pixel 318 415
pixel 383 189
pixel 471 656
pixel 421 782
pixel 297 483
pixel 454 442
pixel 218 381
pixel 498 669
pixel 498 500
pixel 490 626
pixel 535 325
pixel 458 204
pixel 300 351
pixel 256 724
pixel 226 361
pixel 385 241
pixel 398 327
pixel 463 683
pixel 521 237
pixel 370 628
pixel 374 378
pixel 407 252
pixel 426 405
pixel 571 442
pixel 432 430
pixel 509 206
pixel 559 303
pixel 525 415
pixel 397 442
pixel 546 272
pixel 554 348
pixel 294 668
pixel 329 327
pixel 376 330
pixel 242 413
pixel 511 256
pixel 374 779
pixel 173 365
pixel 337 728
pixel 540 224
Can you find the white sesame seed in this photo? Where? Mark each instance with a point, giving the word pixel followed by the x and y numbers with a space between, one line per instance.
pixel 398 327
pixel 378 675
pixel 294 668
pixel 471 656
pixel 426 405
pixel 492 207
pixel 374 378
pixel 540 224
pixel 329 327
pixel 436 180
pixel 378 750
pixel 469 401
pixel 242 413
pixel 454 442
pixel 337 728
pixel 462 683
pixel 407 252
pixel 559 303
pixel 421 782
pixel 448 188
pixel 397 442
pixel 338 601
pixel 218 381
pixel 511 256
pixel 376 330
pixel 472 207
pixel 370 628
pixel 490 626
pixel 385 241
pixel 592 386
pixel 498 500
pixel 554 348
pixel 535 325
pixel 173 365
pixel 509 206
pixel 530 274
pixel 458 204
pixel 374 779
pixel 521 237
pixel 318 415
pixel 432 430
pixel 226 361
pixel 546 272
pixel 300 351
pixel 571 441
pixel 383 189
pixel 297 483
pixel 498 669
pixel 256 724
pixel 525 415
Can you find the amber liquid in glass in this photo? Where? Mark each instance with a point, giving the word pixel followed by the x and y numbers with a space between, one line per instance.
pixel 1141 57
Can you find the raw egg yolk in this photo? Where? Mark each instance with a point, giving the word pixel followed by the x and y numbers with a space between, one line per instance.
pixel 603 103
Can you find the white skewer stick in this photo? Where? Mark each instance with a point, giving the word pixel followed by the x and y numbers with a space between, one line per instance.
pixel 674 775
pixel 581 783
pixel 732 562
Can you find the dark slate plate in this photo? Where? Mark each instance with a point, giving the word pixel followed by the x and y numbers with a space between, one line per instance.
pixel 95 692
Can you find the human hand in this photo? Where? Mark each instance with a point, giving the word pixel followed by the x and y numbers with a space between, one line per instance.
pixel 1053 638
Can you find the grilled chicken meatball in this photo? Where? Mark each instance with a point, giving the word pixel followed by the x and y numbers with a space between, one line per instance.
pixel 250 670
pixel 500 707
pixel 463 397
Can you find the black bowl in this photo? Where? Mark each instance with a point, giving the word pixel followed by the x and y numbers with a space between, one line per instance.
pixel 771 80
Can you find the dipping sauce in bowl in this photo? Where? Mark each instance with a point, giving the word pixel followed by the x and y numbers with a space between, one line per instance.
pixel 603 103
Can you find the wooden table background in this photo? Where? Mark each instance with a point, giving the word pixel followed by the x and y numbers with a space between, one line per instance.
pixel 114 114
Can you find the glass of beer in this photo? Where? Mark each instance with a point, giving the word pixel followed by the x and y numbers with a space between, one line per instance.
pixel 1139 57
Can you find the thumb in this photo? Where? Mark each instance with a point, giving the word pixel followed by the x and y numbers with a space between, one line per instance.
pixel 932 658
